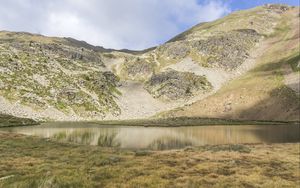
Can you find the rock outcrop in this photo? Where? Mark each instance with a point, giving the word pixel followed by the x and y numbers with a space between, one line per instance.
pixel 173 85
pixel 137 69
pixel 227 50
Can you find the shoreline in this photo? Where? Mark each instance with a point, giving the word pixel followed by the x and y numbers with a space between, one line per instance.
pixel 10 121
pixel 180 122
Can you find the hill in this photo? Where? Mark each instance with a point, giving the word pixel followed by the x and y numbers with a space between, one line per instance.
pixel 243 66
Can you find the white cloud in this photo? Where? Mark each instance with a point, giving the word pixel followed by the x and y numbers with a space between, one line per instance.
pixel 133 24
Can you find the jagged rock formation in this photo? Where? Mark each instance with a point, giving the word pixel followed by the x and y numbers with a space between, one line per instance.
pixel 227 50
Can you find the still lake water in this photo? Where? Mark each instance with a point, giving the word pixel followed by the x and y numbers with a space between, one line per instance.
pixel 161 138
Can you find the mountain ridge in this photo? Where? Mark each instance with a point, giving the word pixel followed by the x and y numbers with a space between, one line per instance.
pixel 63 79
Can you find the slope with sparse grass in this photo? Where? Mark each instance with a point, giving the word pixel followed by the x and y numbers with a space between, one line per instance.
pixel 260 94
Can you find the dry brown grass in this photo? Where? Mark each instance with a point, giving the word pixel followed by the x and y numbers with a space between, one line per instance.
pixel 34 162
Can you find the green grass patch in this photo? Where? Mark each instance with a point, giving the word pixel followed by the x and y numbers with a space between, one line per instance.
pixel 190 121
pixel 11 121
pixel 294 61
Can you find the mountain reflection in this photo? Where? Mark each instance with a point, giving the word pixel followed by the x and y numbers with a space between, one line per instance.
pixel 162 138
pixel 105 138
pixel 77 136
pixel 166 143
pixel 108 139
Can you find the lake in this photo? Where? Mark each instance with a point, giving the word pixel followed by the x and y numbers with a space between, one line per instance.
pixel 161 138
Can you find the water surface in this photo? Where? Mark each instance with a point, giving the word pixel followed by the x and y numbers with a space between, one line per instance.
pixel 161 138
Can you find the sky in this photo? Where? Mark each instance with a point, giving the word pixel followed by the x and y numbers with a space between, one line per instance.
pixel 118 24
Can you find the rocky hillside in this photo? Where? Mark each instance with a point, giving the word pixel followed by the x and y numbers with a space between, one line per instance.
pixel 43 73
pixel 64 79
pixel 269 91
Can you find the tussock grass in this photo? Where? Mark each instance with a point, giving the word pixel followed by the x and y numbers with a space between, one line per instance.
pixel 34 162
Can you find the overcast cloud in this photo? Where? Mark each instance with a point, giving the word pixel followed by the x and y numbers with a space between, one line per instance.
pixel 132 24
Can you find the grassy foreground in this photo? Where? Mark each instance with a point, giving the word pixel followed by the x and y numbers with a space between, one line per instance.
pixel 35 162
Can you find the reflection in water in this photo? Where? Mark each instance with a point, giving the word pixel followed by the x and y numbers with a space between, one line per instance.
pixel 77 136
pixel 169 143
pixel 108 139
pixel 282 134
pixel 104 138
pixel 161 138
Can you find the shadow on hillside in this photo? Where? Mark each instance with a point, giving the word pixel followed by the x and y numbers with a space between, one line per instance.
pixel 295 37
pixel 283 104
pixel 273 68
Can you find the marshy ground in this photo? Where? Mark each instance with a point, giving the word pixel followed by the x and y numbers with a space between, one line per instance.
pixel 27 161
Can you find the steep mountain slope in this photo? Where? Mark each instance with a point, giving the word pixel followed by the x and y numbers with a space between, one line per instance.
pixel 65 79
pixel 270 91
pixel 40 73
